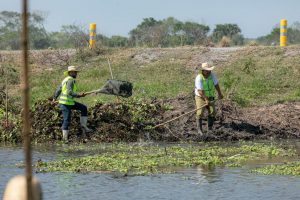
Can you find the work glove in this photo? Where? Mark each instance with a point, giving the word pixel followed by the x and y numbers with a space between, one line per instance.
pixel 54 102
pixel 207 101
pixel 82 94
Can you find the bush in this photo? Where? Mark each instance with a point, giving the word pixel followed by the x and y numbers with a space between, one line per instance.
pixel 83 54
pixel 225 42
pixel 252 43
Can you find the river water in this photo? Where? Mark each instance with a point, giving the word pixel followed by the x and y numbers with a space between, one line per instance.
pixel 193 183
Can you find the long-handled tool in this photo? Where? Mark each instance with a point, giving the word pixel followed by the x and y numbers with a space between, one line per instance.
pixel 192 111
pixel 114 87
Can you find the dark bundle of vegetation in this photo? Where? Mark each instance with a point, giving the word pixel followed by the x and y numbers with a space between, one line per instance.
pixel 9 105
pixel 126 121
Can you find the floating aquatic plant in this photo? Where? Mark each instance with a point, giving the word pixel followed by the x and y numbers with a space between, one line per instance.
pixel 141 160
pixel 290 168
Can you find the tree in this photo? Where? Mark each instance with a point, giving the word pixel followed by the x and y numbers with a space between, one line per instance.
pixel 10 29
pixel 75 36
pixel 69 36
pixel 167 32
pixel 37 33
pixel 228 30
pixel 102 40
pixel 118 41
pixel 293 35
pixel 237 39
pixel 271 37
pixel 194 33
pixel 173 32
pixel 147 33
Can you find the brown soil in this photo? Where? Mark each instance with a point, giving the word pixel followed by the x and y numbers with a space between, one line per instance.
pixel 115 122
pixel 234 123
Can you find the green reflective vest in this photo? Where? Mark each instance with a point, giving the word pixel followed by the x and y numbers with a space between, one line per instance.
pixel 64 98
pixel 208 86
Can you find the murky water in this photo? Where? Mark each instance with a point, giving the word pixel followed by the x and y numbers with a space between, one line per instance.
pixel 195 183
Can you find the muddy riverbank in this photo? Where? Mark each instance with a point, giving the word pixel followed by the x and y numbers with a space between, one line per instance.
pixel 276 121
pixel 131 121
pixel 163 81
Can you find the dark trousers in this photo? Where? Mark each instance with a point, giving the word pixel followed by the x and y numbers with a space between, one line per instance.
pixel 67 111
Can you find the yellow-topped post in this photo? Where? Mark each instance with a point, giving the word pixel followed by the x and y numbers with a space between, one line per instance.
pixel 92 35
pixel 283 32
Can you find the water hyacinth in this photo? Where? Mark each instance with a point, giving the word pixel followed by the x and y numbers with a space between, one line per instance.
pixel 142 160
pixel 290 168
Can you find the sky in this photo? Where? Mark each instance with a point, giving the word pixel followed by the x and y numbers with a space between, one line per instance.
pixel 117 17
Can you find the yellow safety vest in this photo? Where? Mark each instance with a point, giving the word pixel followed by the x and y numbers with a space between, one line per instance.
pixel 208 85
pixel 64 98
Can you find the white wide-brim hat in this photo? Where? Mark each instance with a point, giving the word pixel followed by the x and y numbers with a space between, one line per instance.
pixel 207 66
pixel 71 69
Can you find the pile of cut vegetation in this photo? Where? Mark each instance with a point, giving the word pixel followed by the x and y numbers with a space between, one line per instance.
pixel 9 120
pixel 128 121
pixel 133 119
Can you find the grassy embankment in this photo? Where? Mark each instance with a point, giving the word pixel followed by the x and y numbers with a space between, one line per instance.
pixel 263 75
pixel 251 76
pixel 160 79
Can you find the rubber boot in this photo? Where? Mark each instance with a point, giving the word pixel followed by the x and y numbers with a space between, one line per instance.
pixel 65 135
pixel 83 123
pixel 210 123
pixel 199 126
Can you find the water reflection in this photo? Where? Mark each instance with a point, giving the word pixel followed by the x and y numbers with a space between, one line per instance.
pixel 192 183
pixel 203 176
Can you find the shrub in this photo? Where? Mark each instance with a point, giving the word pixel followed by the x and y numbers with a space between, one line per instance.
pixel 252 43
pixel 225 42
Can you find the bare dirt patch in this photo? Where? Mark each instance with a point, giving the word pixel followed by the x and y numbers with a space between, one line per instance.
pixel 235 123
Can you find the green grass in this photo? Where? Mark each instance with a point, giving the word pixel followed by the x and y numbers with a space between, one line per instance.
pixel 252 76
pixel 265 76
pixel 160 80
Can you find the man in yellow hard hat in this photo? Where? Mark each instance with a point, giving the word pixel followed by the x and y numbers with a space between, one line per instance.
pixel 206 83
pixel 65 93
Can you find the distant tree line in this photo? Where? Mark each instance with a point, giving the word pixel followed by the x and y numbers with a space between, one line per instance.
pixel 150 32
pixel 10 28
pixel 273 37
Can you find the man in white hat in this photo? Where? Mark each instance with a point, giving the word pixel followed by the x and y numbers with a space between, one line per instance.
pixel 65 93
pixel 206 83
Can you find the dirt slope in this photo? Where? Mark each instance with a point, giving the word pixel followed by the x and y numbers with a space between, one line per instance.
pixel 234 123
